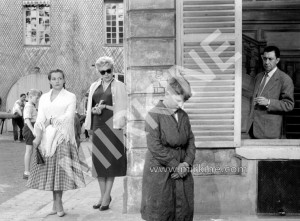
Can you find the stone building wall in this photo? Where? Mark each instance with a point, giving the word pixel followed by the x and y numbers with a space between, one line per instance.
pixel 77 40
pixel 150 52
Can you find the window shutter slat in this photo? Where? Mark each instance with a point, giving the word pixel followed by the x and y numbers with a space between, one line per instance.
pixel 211 69
pixel 208 2
pixel 211 122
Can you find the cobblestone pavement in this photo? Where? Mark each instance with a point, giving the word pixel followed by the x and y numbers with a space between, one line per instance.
pixel 17 203
pixel 11 167
pixel 20 203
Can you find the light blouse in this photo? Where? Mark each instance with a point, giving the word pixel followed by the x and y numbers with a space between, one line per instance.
pixel 30 112
pixel 62 112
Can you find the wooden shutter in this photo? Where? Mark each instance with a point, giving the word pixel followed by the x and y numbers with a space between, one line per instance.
pixel 215 77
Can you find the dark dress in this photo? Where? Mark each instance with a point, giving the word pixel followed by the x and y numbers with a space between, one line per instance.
pixel 169 143
pixel 109 154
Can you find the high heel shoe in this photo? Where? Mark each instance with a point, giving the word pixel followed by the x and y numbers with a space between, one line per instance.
pixel 102 208
pixel 97 206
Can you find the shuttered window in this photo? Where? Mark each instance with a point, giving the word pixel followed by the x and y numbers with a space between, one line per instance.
pixel 209 50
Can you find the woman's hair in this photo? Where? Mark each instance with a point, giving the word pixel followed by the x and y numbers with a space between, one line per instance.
pixel 180 86
pixel 55 71
pixel 102 61
pixel 34 92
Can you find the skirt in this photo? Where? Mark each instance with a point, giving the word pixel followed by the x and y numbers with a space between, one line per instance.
pixel 109 153
pixel 60 172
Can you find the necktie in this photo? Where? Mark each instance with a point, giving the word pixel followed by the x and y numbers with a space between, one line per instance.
pixel 262 85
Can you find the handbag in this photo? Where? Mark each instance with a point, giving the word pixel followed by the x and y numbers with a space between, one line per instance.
pixel 39 158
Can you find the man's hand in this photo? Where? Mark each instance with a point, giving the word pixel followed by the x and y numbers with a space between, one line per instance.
pixel 261 101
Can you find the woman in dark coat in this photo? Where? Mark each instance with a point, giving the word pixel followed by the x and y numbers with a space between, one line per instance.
pixel 168 186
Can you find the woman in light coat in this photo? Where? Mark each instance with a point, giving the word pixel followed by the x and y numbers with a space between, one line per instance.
pixel 55 139
pixel 106 116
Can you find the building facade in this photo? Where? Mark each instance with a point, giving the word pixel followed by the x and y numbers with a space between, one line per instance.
pixel 215 44
pixel 38 36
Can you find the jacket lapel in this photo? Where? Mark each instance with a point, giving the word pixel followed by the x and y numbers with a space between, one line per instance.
pixel 180 114
pixel 258 82
pixel 95 87
pixel 271 82
pixel 167 112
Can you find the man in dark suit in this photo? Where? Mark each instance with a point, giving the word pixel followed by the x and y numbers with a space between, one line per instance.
pixel 273 95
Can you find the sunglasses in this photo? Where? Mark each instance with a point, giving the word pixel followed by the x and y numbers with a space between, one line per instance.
pixel 108 71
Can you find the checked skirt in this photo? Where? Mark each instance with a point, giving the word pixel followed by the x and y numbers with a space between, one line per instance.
pixel 60 172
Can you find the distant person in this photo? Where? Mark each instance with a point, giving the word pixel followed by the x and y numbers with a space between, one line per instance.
pixel 77 128
pixel 273 96
pixel 82 120
pixel 30 114
pixel 55 139
pixel 17 120
pixel 86 133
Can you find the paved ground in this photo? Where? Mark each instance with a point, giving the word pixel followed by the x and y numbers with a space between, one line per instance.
pixel 11 167
pixel 19 203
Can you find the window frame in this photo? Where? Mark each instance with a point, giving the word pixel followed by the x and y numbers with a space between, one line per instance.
pixel 117 24
pixel 267 144
pixel 24 10
pixel 245 147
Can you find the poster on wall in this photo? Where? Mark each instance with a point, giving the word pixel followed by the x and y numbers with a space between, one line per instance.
pixel 37 25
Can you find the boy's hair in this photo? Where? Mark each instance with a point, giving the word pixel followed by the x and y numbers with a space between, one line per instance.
pixel 21 95
pixel 34 92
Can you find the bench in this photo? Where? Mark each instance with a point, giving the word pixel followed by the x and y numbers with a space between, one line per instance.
pixel 3 117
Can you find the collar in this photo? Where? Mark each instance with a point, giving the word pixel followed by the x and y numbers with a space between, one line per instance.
pixel 62 91
pixel 162 105
pixel 102 82
pixel 175 112
pixel 30 104
pixel 20 101
pixel 271 73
